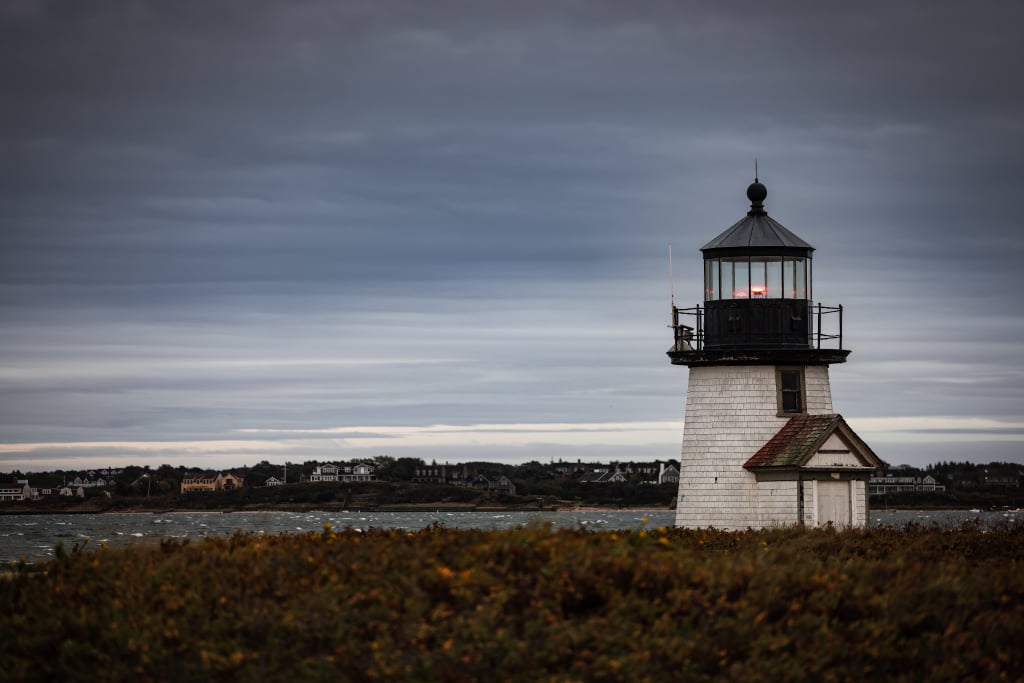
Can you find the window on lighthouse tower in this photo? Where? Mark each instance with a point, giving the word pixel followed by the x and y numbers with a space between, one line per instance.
pixel 790 383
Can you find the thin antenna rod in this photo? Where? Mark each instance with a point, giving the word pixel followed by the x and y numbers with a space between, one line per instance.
pixel 671 283
pixel 673 311
pixel 755 170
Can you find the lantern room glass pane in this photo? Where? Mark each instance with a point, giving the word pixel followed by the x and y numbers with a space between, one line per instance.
pixel 741 283
pixel 758 285
pixel 714 289
pixel 726 290
pixel 800 278
pixel 773 278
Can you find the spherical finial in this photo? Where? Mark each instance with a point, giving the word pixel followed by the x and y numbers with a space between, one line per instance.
pixel 756 193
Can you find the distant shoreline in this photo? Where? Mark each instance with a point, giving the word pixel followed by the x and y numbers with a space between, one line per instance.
pixel 28 509
pixel 415 498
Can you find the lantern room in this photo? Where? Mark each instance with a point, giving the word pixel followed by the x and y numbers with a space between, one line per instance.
pixel 756 277
pixel 758 291
pixel 757 283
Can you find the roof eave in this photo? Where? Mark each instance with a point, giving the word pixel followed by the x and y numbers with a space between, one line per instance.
pixel 716 252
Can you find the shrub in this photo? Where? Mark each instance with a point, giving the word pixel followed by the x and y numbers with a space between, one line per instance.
pixel 525 605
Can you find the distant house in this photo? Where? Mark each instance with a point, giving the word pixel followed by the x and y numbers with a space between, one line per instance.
pixel 73 491
pixel 893 484
pixel 594 474
pixel 328 472
pixel 603 475
pixel 616 477
pixel 454 475
pixel 504 485
pixel 202 482
pixel 648 471
pixel 229 481
pixel 668 474
pixel 205 482
pixel 273 481
pixel 19 490
pixel 501 484
pixel 359 472
pixel 568 469
pixel 480 482
pixel 91 480
pixel 656 472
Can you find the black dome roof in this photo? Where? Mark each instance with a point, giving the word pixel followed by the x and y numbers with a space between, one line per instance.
pixel 757 234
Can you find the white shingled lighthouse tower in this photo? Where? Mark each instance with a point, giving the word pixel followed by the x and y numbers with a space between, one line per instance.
pixel 762 446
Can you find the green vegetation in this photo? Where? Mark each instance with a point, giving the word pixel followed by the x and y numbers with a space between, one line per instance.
pixel 527 605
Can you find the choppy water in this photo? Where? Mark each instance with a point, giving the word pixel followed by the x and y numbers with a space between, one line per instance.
pixel 37 536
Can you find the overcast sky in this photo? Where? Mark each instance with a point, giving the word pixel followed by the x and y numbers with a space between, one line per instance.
pixel 265 229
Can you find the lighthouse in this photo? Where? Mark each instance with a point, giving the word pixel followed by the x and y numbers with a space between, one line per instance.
pixel 762 446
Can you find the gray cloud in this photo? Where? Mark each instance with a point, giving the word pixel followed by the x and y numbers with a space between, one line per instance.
pixel 230 215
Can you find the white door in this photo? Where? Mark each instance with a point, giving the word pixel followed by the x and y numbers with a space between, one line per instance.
pixel 834 503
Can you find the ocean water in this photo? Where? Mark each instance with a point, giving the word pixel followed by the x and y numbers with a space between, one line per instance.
pixel 37 536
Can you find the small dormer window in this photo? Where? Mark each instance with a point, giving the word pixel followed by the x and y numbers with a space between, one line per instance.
pixel 790 383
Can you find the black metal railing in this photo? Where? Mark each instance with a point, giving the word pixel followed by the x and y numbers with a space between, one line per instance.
pixel 818 334
pixel 824 328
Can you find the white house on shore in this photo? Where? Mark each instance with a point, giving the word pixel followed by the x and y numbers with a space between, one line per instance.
pixel 895 484
pixel 21 490
pixel 17 491
pixel 326 472
pixel 360 471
